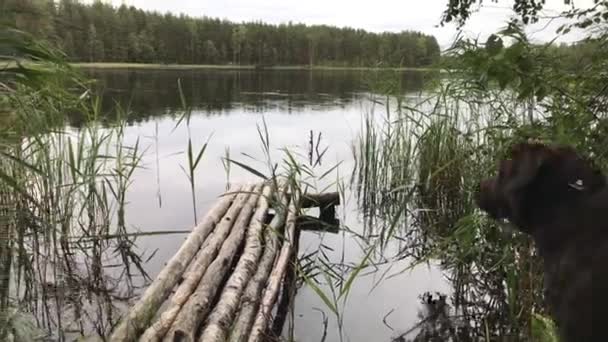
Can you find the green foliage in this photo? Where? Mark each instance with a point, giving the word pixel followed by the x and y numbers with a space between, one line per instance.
pixel 563 86
pixel 521 66
pixel 22 327
pixel 210 52
pixel 543 329
pixel 527 11
pixel 460 10
pixel 422 199
pixel 494 94
pixel 102 33
pixel 62 196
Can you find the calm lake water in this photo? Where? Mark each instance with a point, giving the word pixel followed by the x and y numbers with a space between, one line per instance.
pixel 226 107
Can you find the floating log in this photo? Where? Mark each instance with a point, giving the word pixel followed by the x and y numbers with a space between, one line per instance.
pixel 198 306
pixel 263 317
pixel 212 301
pixel 158 330
pixel 251 298
pixel 327 203
pixel 220 320
pixel 311 223
pixel 157 292
pixel 323 200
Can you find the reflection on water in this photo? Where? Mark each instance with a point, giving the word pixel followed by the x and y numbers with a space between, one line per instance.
pixel 151 93
pixel 227 106
pixel 416 176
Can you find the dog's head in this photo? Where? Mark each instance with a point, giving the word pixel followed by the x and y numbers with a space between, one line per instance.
pixel 534 183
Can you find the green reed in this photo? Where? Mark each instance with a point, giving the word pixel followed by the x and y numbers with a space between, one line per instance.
pixel 63 195
pixel 417 170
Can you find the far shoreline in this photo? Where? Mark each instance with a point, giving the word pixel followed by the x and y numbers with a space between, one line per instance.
pixel 152 66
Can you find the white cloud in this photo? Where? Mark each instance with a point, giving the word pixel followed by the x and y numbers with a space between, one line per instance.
pixel 376 16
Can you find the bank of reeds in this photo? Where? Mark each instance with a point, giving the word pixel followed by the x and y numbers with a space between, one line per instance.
pixel 63 196
pixel 418 165
pixel 437 147
pixel 68 256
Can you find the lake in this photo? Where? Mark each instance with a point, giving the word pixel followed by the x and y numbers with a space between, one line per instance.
pixel 226 108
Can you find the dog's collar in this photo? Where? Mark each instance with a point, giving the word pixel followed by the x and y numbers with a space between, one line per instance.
pixel 577 185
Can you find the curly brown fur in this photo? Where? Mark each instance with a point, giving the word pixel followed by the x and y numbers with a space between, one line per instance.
pixel 558 198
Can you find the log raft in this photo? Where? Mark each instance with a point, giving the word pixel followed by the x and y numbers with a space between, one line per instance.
pixel 223 282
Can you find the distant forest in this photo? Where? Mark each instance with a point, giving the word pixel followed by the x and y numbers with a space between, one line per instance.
pixel 103 33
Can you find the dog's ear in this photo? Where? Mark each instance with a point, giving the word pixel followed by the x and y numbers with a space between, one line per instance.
pixel 526 160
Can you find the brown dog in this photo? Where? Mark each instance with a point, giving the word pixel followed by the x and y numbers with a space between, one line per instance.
pixel 559 199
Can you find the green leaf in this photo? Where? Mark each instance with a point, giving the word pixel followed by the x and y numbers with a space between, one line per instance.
pixel 11 182
pixel 349 282
pixel 543 329
pixel 541 92
pixel 190 162
pixel 321 294
pixel 201 153
pixel 249 168
pixel 330 170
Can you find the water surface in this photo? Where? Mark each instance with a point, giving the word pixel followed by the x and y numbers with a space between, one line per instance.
pixel 226 107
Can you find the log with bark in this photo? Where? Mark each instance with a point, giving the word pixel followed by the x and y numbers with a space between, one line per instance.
pixel 199 304
pixel 220 320
pixel 263 317
pixel 250 300
pixel 197 268
pixel 146 307
pixel 322 200
pixel 287 293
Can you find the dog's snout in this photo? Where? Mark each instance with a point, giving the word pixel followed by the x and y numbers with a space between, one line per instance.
pixel 488 200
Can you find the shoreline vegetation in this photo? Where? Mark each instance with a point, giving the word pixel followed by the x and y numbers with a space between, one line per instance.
pixel 417 168
pixel 102 32
pixel 160 66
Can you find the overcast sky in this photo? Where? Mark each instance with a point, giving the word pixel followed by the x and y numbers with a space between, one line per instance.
pixel 375 15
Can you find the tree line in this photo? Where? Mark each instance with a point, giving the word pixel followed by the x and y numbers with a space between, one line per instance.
pixel 103 33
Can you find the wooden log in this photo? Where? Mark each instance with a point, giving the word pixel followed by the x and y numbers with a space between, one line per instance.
pixel 322 200
pixel 326 202
pixel 263 318
pixel 313 224
pixel 146 307
pixel 220 320
pixel 251 298
pixel 288 293
pixel 197 269
pixel 198 306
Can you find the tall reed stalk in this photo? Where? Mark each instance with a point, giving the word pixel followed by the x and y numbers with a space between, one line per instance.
pixel 419 162
pixel 63 195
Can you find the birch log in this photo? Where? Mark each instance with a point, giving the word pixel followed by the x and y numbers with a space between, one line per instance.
pixel 220 320
pixel 263 317
pixel 197 307
pixel 251 298
pixel 144 310
pixel 196 269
